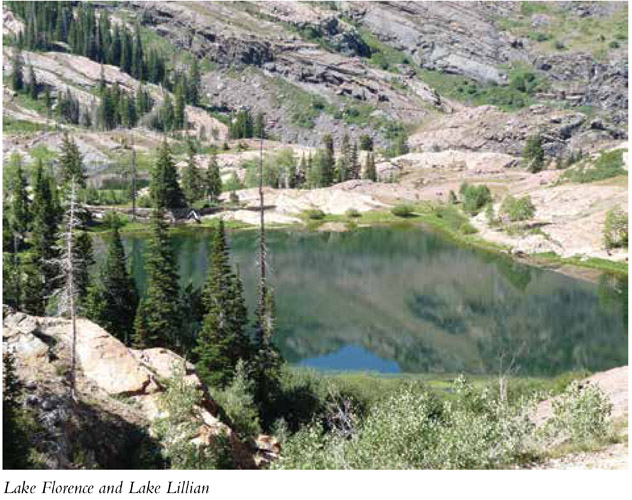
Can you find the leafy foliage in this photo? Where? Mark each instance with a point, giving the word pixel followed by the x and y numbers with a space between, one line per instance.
pixel 517 209
pixel 615 231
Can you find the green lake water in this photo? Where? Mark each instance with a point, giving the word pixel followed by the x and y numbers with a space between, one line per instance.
pixel 407 300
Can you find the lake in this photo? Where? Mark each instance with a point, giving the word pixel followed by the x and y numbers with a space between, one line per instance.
pixel 402 299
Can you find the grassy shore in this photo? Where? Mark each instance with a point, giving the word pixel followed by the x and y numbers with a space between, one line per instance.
pixel 447 220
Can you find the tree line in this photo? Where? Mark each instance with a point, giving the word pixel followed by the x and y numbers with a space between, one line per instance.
pixel 50 257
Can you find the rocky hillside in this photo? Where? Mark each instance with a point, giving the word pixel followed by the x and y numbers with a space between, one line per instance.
pixel 119 394
pixel 465 84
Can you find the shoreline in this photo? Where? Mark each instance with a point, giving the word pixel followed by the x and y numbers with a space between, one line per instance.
pixel 426 218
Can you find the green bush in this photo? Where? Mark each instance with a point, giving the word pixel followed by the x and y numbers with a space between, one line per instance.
pixel 467 228
pixel 144 202
pixel 475 197
pixel 413 429
pixel 238 404
pixel 609 164
pixel 517 209
pixel 352 213
pixel 581 413
pixel 315 214
pixel 403 210
pixel 180 426
pixel 616 229
pixel 533 154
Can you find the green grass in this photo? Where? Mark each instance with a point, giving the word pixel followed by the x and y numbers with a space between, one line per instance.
pixel 303 107
pixel 609 164
pixel 617 268
pixel 593 34
pixel 13 126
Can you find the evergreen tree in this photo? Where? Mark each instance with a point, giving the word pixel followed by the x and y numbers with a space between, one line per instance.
pixel 19 211
pixel 213 179
pixel 14 438
pixel 138 65
pixel 222 342
pixel 327 162
pixel 71 162
pixel 167 120
pixel 267 359
pixel 369 168
pixel 195 83
pixel 259 130
pixel 354 162
pixel 17 75
pixel 82 247
pixel 112 303
pixel 12 280
pixel 33 86
pixel 159 320
pixel 533 154
pixel 164 189
pixel 180 108
pixel 192 184
pixel 40 270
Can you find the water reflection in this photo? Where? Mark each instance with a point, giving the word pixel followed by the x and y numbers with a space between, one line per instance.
pixel 396 299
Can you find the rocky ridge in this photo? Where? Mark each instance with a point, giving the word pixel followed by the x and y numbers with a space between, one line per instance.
pixel 119 394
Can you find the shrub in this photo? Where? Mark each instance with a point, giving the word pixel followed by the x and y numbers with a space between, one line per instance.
pixel 144 202
pixel 613 44
pixel 475 198
pixel 180 426
pixel 581 413
pixel 238 404
pixel 352 213
pixel 315 214
pixel 609 164
pixel 403 210
pixel 366 143
pixel 413 429
pixel 533 154
pixel 452 200
pixel 517 209
pixel 616 229
pixel 467 228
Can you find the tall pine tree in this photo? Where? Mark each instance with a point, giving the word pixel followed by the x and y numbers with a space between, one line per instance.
pixel 159 319
pixel 113 301
pixel 222 342
pixel 164 189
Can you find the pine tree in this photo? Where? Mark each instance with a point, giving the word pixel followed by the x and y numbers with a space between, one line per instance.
pixel 354 162
pixel 222 342
pixel 195 83
pixel 71 162
pixel 192 185
pixel 40 270
pixel 12 280
pixel 33 86
pixel 82 246
pixel 213 179
pixel 159 320
pixel 112 303
pixel 20 216
pixel 327 162
pixel 17 75
pixel 138 69
pixel 369 168
pixel 180 108
pixel 167 114
pixel 14 438
pixel 259 130
pixel 164 189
